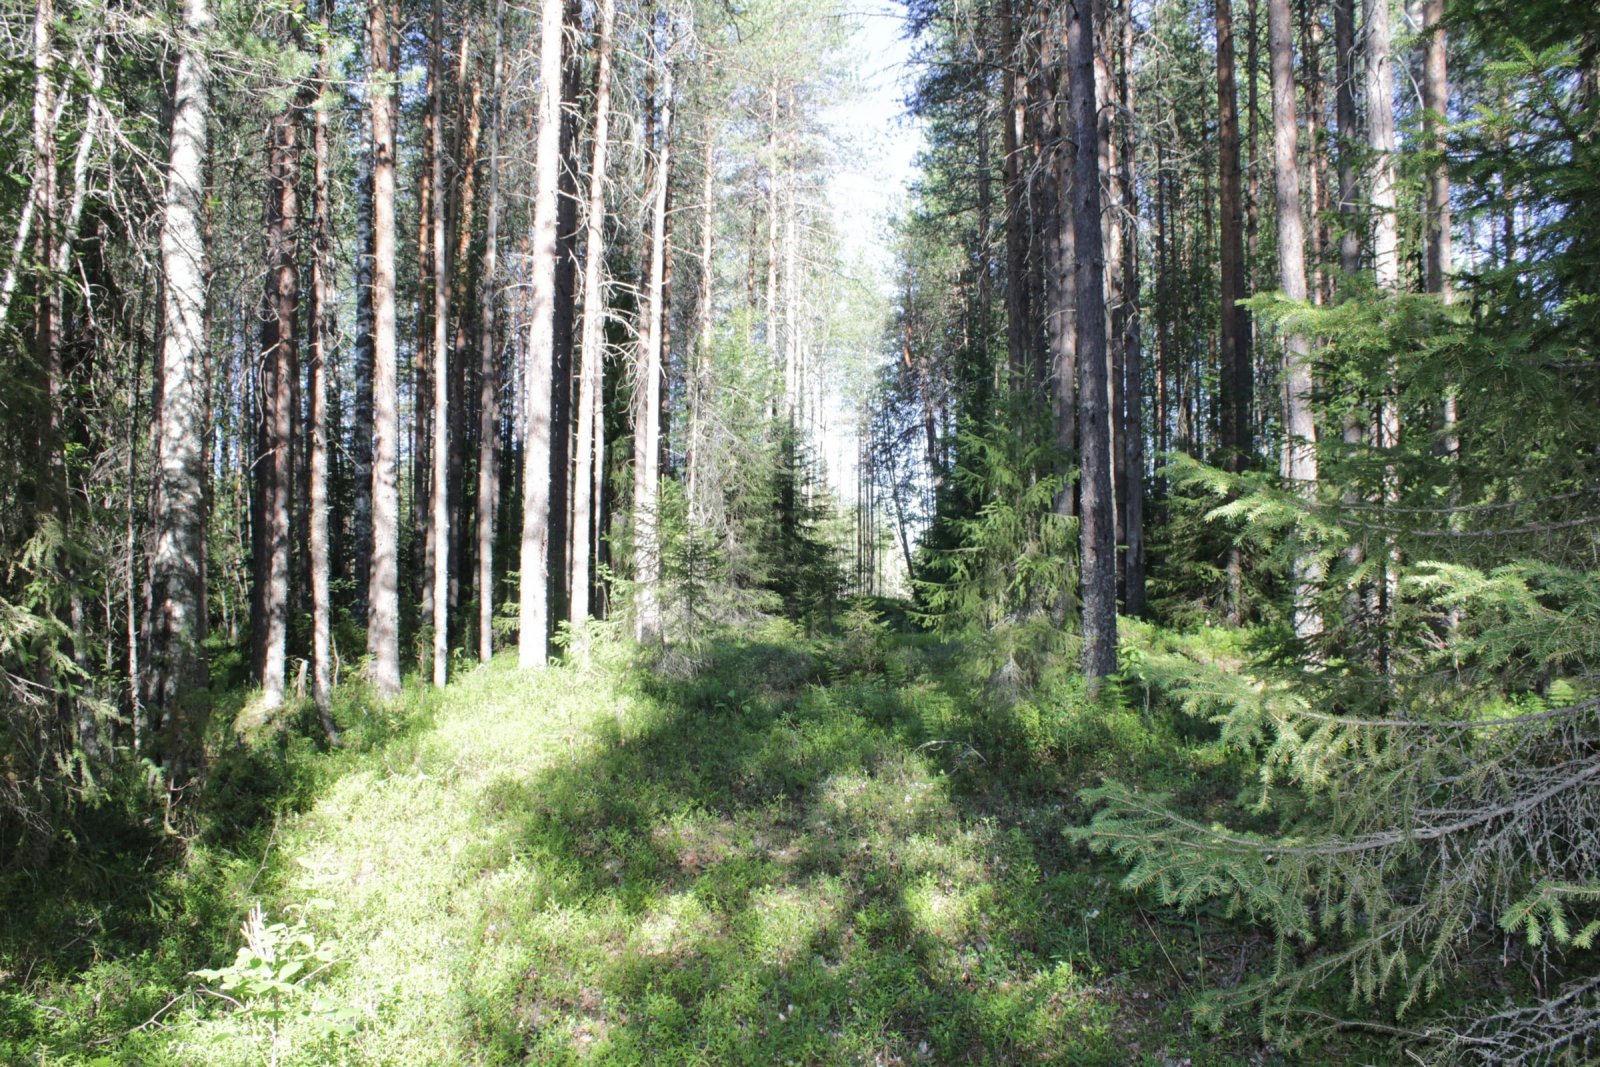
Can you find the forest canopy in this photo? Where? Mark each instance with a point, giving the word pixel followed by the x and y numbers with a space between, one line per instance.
pixel 1200 493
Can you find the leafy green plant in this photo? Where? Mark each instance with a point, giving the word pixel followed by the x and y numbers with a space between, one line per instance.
pixel 270 978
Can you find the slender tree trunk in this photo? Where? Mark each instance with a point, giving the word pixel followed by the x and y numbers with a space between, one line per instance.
pixel 51 494
pixel 361 428
pixel 383 619
pixel 699 373
pixel 1344 46
pixel 275 464
pixel 534 606
pixel 422 359
pixel 1132 464
pixel 439 497
pixel 647 425
pixel 1237 372
pixel 174 677
pixel 793 389
pixel 561 421
pixel 587 484
pixel 1300 436
pixel 1108 38
pixel 488 366
pixel 1099 573
pixel 321 336
pixel 1014 115
pixel 773 351
pixel 461 222
pixel 1060 253
pixel 1381 146
pixel 1436 101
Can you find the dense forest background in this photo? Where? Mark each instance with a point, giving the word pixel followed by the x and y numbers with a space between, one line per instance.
pixel 1201 501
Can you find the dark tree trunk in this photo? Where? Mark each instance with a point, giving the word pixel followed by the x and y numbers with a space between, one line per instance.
pixel 1099 565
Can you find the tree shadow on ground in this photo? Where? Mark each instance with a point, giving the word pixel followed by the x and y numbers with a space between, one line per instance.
pixel 760 867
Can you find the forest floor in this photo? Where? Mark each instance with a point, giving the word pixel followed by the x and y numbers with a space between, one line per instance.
pixel 764 850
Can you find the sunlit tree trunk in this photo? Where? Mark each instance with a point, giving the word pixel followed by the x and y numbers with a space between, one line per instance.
pixel 321 335
pixel 534 601
pixel 1300 438
pixel 647 405
pixel 488 366
pixel 439 496
pixel 174 668
pixel 361 423
pixel 701 368
pixel 383 618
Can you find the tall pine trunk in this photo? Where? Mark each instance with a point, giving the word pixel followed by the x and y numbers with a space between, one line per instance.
pixel 1131 463
pixel 589 451
pixel 534 606
pixel 1098 551
pixel 1381 145
pixel 275 451
pixel 439 495
pixel 647 406
pixel 488 378
pixel 383 613
pixel 1299 464
pixel 321 336
pixel 561 421
pixel 174 674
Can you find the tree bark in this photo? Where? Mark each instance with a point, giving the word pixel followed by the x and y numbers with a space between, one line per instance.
pixel 488 378
pixel 699 371
pixel 51 489
pixel 587 481
pixel 439 497
pixel 1132 465
pixel 422 358
pixel 174 675
pixel 533 649
pixel 1300 439
pixel 1237 372
pixel 1381 145
pixel 647 406
pixel 383 619
pixel 321 329
pixel 561 421
pixel 1436 101
pixel 1344 46
pixel 1098 551
pixel 361 427
pixel 1060 254
pixel 279 359
pixel 1018 291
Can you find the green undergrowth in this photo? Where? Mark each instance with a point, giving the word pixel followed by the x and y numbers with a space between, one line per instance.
pixel 757 849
